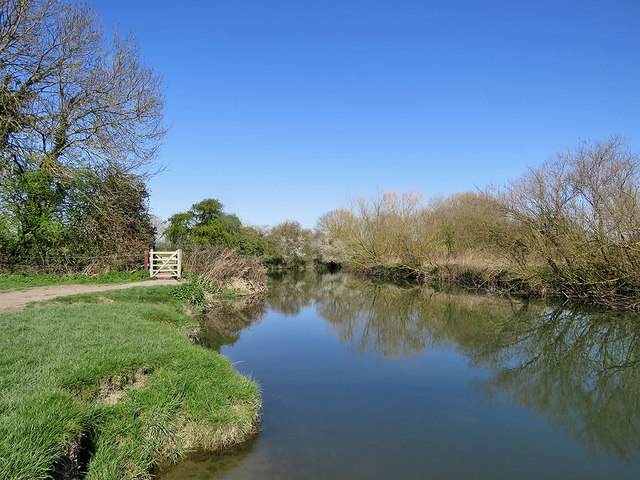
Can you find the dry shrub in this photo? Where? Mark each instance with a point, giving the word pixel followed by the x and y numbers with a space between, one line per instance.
pixel 226 268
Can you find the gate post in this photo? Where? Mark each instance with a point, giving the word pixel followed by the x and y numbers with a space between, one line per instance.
pixel 151 262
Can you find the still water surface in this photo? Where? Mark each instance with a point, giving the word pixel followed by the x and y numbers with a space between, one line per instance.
pixel 371 381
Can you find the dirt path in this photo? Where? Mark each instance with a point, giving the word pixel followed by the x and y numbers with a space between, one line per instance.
pixel 16 300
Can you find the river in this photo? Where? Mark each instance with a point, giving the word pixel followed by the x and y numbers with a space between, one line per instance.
pixel 365 380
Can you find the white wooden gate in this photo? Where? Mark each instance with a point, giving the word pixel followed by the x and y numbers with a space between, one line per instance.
pixel 165 264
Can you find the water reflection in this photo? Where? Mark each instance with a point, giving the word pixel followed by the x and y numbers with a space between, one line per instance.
pixel 224 321
pixel 290 292
pixel 579 369
pixel 209 465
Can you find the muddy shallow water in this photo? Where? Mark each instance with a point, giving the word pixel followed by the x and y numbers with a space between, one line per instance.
pixel 363 380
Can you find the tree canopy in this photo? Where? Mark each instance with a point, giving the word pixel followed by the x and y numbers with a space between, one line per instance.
pixel 69 96
pixel 81 119
pixel 206 223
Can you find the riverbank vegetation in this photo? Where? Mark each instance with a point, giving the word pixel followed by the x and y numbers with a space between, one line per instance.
pixel 283 246
pixel 80 123
pixel 106 385
pixel 568 228
pixel 220 254
pixel 212 271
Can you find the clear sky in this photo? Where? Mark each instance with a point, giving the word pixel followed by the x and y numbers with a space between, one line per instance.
pixel 286 109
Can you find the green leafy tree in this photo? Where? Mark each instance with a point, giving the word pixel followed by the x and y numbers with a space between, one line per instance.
pixel 32 207
pixel 116 217
pixel 90 214
pixel 80 123
pixel 206 223
pixel 252 241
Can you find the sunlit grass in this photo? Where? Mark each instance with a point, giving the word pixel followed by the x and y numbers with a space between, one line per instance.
pixel 56 360
pixel 17 280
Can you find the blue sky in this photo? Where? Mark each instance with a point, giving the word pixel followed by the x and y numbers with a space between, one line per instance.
pixel 288 109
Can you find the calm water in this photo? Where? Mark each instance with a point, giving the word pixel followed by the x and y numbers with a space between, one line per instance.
pixel 366 381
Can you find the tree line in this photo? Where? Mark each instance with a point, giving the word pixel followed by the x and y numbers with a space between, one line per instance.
pixel 568 227
pixel 81 119
pixel 286 245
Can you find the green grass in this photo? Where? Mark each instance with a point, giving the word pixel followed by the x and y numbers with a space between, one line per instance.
pixel 152 294
pixel 9 281
pixel 196 288
pixel 56 360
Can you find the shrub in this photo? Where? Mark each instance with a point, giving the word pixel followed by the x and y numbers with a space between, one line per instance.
pixel 216 265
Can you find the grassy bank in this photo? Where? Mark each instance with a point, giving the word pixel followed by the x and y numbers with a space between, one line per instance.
pixel 9 281
pixel 110 386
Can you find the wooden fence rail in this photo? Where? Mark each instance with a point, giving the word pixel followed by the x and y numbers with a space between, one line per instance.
pixel 165 264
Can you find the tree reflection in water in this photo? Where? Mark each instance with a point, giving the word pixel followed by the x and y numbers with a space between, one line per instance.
pixel 577 368
pixel 224 321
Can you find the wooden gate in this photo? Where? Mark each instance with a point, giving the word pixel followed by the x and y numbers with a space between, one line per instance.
pixel 165 264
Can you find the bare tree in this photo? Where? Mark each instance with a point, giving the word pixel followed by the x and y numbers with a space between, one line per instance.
pixel 68 97
pixel 73 105
pixel 387 229
pixel 580 212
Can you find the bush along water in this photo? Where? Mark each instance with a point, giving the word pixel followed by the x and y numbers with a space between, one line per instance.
pixel 568 228
pixel 220 267
pixel 199 291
